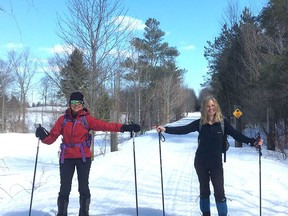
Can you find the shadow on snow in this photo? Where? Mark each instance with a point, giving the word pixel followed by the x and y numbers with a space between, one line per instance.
pixel 33 213
pixel 114 212
pixel 132 212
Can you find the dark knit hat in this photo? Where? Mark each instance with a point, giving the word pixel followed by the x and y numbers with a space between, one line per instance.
pixel 77 96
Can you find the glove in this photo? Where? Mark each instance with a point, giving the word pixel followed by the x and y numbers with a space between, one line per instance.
pixel 130 128
pixel 41 133
pixel 258 142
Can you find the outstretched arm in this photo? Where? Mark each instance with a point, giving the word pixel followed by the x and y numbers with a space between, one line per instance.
pixel 185 129
pixel 237 135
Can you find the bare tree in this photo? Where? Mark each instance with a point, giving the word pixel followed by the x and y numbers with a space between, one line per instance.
pixel 231 14
pixel 23 73
pixel 100 30
pixel 5 82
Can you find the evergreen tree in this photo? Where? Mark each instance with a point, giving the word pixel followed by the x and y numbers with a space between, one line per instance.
pixel 74 75
pixel 234 63
pixel 274 80
pixel 155 76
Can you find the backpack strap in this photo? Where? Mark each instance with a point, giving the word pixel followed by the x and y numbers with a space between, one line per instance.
pixel 85 123
pixel 86 143
pixel 83 120
pixel 224 141
pixel 81 145
pixel 200 126
pixel 66 119
pixel 222 127
pixel 225 144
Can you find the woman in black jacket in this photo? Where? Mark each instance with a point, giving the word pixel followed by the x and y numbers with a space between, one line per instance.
pixel 208 158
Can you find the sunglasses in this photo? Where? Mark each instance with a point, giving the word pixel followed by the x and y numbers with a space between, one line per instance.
pixel 76 102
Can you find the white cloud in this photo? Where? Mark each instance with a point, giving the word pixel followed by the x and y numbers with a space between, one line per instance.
pixel 130 22
pixel 58 48
pixel 189 47
pixel 13 46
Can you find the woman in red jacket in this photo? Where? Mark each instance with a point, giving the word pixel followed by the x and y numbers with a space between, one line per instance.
pixel 74 127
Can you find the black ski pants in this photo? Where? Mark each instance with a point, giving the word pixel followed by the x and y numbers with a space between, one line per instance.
pixel 67 170
pixel 207 170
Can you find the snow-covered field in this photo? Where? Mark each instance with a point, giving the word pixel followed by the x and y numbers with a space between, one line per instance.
pixel 112 178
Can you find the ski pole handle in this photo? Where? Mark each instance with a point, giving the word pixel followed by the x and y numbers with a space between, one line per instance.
pixel 258 146
pixel 161 137
pixel 131 133
pixel 159 130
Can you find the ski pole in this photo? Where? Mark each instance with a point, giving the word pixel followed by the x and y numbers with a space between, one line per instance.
pixel 260 183
pixel 135 175
pixel 161 139
pixel 35 168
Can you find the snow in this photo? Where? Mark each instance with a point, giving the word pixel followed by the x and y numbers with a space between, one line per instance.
pixel 112 181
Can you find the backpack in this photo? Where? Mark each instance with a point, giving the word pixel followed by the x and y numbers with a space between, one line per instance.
pixel 87 142
pixel 83 120
pixel 225 144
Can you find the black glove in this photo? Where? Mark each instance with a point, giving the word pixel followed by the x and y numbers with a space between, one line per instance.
pixel 41 133
pixel 130 128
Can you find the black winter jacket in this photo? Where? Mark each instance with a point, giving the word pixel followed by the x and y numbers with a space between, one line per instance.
pixel 211 137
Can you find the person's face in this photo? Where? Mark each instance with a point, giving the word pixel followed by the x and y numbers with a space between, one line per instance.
pixel 211 108
pixel 76 105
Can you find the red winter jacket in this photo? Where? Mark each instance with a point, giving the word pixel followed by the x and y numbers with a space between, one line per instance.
pixel 79 133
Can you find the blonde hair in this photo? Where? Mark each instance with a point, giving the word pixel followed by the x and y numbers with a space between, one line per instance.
pixel 204 117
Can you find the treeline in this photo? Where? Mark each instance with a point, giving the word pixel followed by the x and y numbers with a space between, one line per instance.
pixel 119 72
pixel 248 67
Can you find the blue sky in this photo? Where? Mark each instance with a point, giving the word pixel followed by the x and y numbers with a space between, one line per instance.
pixel 188 25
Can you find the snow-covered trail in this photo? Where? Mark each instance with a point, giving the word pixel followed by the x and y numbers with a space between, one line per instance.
pixel 112 179
pixel 176 167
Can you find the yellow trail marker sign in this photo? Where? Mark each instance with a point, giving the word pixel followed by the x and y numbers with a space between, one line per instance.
pixel 237 113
